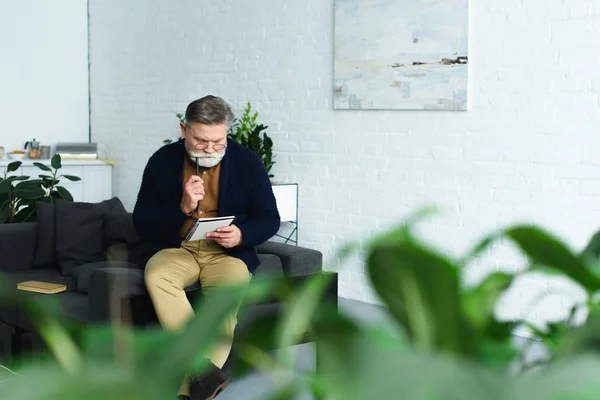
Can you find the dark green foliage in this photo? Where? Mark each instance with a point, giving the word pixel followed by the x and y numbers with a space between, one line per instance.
pixel 248 134
pixel 446 342
pixel 18 194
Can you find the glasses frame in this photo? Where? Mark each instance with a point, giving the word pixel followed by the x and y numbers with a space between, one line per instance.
pixel 199 146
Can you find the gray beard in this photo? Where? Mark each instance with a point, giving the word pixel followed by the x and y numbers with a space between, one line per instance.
pixel 206 160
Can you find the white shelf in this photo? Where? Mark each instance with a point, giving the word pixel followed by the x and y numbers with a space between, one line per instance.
pixel 29 162
pixel 96 177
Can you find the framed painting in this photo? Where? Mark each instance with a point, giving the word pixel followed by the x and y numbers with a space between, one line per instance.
pixel 401 54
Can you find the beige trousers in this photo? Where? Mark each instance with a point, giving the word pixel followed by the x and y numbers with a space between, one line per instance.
pixel 169 271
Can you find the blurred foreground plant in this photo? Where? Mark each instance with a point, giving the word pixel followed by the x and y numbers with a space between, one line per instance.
pixel 446 343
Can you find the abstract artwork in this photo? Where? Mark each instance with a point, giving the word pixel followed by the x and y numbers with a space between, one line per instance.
pixel 401 54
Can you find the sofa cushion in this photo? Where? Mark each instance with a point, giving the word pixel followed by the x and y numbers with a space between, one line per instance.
pixel 117 252
pixel 43 275
pixel 113 205
pixel 9 314
pixel 83 273
pixel 74 306
pixel 17 242
pixel 296 260
pixel 120 234
pixel 79 234
pixel 45 251
pixel 118 227
pixel 270 265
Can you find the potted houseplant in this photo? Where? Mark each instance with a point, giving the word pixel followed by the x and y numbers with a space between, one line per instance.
pixel 18 193
pixel 248 133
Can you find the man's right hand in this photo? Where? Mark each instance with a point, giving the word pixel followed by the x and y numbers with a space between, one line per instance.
pixel 193 192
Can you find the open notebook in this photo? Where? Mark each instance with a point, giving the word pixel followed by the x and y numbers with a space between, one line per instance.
pixel 202 226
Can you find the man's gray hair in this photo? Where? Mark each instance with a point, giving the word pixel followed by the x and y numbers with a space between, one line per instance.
pixel 209 110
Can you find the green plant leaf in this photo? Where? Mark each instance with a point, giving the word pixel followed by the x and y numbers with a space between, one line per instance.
pixel 29 191
pixel 497 354
pixel 48 183
pixel 571 378
pixel 500 330
pixel 592 249
pixel 5 186
pixel 300 309
pixel 71 178
pixel 286 392
pixel 32 182
pixel 555 333
pixel 479 302
pixel 576 340
pixel 94 381
pixel 13 166
pixel 42 166
pixel 64 193
pixel 179 354
pixel 544 250
pixel 26 214
pixel 4 211
pixel 56 161
pixel 357 362
pixel 421 289
pixel 479 248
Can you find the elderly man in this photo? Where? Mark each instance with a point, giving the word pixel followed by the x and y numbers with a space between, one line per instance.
pixel 204 175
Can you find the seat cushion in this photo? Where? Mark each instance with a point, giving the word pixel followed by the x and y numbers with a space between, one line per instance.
pixel 74 306
pixel 10 315
pixel 45 275
pixel 83 273
pixel 270 265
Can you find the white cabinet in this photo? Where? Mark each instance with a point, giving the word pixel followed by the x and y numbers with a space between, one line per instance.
pixel 96 177
pixel 286 195
pixel 101 188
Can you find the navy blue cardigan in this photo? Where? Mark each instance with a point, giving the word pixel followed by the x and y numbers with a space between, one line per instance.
pixel 244 191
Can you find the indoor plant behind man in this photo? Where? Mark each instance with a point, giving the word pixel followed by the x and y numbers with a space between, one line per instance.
pixel 204 175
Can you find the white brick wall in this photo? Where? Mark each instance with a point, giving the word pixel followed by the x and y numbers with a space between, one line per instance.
pixel 527 150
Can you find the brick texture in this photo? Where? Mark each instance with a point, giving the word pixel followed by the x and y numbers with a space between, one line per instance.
pixel 527 150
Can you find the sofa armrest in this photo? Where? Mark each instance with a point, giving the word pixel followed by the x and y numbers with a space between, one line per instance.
pixel 17 246
pixel 108 286
pixel 295 260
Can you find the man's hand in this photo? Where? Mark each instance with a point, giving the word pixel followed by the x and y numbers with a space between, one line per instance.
pixel 193 192
pixel 227 236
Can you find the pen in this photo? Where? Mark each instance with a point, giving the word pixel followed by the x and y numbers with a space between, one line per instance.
pixel 197 166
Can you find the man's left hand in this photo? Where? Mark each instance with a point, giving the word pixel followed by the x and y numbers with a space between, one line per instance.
pixel 227 236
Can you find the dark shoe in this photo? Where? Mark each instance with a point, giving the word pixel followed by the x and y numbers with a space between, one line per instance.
pixel 209 384
pixel 182 397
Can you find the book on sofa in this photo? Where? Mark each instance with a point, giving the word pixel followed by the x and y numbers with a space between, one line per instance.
pixel 41 287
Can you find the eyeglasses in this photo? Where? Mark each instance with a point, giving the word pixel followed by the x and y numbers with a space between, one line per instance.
pixel 203 144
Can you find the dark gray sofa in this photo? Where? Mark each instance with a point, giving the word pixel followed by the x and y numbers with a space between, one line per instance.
pixel 93 249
